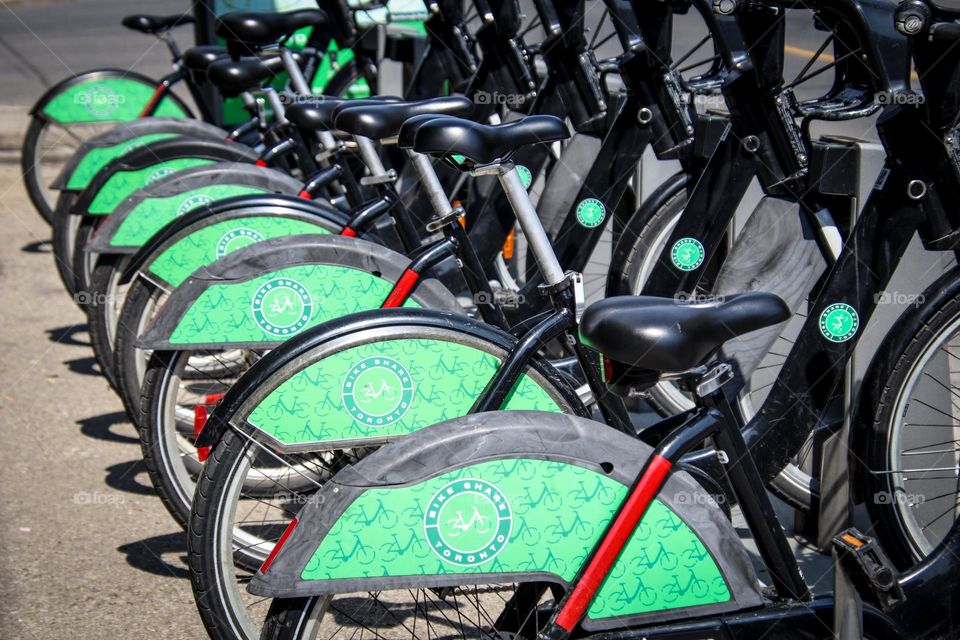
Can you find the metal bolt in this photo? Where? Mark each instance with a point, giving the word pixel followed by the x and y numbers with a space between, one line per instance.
pixel 751 144
pixel 916 189
pixel 644 115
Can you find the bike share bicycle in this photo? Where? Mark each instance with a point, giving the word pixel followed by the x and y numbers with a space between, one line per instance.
pixel 476 461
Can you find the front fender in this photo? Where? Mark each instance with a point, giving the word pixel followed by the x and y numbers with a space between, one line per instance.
pixel 148 210
pixel 174 252
pixel 265 293
pixel 304 394
pixel 546 485
pixel 105 95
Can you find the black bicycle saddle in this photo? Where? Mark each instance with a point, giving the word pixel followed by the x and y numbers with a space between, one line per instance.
pixel 156 24
pixel 200 57
pixel 484 143
pixel 378 121
pixel 232 77
pixel 317 113
pixel 255 28
pixel 665 336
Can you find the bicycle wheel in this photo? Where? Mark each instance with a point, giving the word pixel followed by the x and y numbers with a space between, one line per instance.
pixel 906 446
pixel 65 229
pixel 47 147
pixel 475 611
pixel 130 363
pixel 232 530
pixel 104 304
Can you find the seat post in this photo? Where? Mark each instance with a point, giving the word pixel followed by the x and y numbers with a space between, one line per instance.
pixel 302 88
pixel 530 223
pixel 431 183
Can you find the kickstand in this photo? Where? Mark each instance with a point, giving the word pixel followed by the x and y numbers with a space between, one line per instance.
pixel 847 605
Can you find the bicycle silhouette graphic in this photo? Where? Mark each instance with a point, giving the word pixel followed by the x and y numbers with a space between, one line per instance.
pixel 477 523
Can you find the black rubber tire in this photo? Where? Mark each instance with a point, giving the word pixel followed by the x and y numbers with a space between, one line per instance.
pixel 31 176
pixel 205 575
pixel 83 260
pixel 142 297
pixel 99 295
pixel 871 438
pixel 64 228
pixel 158 369
pixel 286 617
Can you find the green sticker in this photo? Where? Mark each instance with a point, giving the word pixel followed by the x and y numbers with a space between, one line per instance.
pixel 839 322
pixel 282 306
pixel 446 378
pixel 159 174
pixel 152 214
pixel 468 522
pixel 236 239
pixel 106 99
pixel 97 158
pixel 202 246
pixel 377 391
pixel 591 212
pixel 526 178
pixel 123 183
pixel 687 254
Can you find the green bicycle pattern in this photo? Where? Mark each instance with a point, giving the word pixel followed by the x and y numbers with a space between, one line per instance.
pixel 224 313
pixel 122 184
pixel 387 532
pixel 105 100
pixel 203 246
pixel 310 406
pixel 98 157
pixel 152 214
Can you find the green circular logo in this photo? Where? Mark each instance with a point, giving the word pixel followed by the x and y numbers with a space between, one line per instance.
pixel 159 174
pixel 192 202
pixel 282 306
pixel 377 391
pixel 591 212
pixel 526 178
pixel 839 322
pixel 468 522
pixel 236 239
pixel 687 254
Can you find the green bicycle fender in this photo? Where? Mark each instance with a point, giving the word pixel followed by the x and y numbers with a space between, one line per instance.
pixel 540 500
pixel 122 184
pixel 149 209
pixel 270 291
pixel 372 390
pixel 97 152
pixel 203 246
pixel 100 98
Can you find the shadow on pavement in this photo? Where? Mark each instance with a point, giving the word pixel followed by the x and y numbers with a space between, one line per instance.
pixel 101 427
pixel 38 246
pixel 123 477
pixel 148 555
pixel 68 335
pixel 84 366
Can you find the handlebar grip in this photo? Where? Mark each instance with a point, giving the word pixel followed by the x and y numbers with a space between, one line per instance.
pixel 945 32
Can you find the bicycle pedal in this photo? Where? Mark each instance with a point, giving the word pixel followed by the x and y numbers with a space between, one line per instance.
pixel 868 568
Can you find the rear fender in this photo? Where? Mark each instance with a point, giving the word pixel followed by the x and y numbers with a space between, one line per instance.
pixel 440 362
pixel 105 95
pixel 547 485
pixel 263 294
pixel 144 165
pixel 201 236
pixel 149 209
pixel 96 152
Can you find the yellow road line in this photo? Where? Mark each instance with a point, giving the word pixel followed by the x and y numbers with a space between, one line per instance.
pixel 802 52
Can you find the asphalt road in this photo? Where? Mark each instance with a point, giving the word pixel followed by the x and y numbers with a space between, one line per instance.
pixel 86 550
